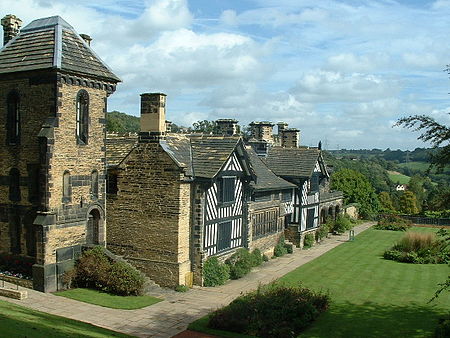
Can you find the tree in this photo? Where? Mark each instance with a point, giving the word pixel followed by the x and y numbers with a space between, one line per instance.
pixel 434 132
pixel 408 203
pixel 122 123
pixel 386 204
pixel 356 189
pixel 205 126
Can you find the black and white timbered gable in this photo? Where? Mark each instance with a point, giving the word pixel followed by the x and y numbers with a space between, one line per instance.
pixel 223 165
pixel 305 168
pixel 224 217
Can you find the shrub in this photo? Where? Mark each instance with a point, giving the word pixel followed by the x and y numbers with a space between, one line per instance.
pixel 182 288
pixel 275 310
pixel 214 272
pixel 256 258
pixel 443 328
pixel 280 249
pixel 92 269
pixel 265 258
pixel 308 241
pixel 392 222
pixel 240 263
pixel 342 224
pixel 289 248
pixel 95 270
pixel 419 248
pixel 322 232
pixel 124 280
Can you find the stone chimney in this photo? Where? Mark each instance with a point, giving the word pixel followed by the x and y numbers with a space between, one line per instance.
pixel 153 116
pixel 281 126
pixel 228 127
pixel 290 138
pixel 11 27
pixel 86 39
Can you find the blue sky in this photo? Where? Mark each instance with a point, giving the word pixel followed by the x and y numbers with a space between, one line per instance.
pixel 341 71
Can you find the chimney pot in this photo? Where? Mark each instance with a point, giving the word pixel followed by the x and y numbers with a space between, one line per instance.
pixel 86 39
pixel 11 27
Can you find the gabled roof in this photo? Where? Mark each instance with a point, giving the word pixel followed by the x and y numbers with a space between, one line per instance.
pixel 51 43
pixel 292 162
pixel 265 178
pixel 199 156
pixel 117 147
pixel 209 154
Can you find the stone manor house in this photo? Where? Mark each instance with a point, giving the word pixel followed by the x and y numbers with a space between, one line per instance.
pixel 165 202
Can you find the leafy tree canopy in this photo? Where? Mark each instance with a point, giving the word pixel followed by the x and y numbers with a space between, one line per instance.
pixel 434 132
pixel 122 123
pixel 357 189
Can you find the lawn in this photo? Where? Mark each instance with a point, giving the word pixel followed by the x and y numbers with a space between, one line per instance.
pixel 108 300
pixel 371 296
pixel 399 178
pixel 18 321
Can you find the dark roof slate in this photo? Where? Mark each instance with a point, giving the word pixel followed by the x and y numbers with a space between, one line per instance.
pixel 292 162
pixel 200 156
pixel 265 178
pixel 51 43
pixel 117 147
pixel 209 154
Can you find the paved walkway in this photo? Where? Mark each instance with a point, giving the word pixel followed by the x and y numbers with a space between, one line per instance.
pixel 171 316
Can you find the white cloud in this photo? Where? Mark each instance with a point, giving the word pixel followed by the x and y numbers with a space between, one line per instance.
pixel 326 86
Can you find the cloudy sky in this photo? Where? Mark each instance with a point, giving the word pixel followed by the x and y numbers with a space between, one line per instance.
pixel 341 71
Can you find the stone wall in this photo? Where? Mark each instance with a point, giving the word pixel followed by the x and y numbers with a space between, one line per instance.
pixel 37 102
pixel 148 219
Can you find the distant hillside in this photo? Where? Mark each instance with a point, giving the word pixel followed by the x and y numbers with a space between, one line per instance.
pixel 418 154
pixel 121 123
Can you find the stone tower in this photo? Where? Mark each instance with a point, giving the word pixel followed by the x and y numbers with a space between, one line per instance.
pixel 52 186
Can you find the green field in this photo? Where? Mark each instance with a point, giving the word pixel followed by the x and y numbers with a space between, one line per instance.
pixel 423 166
pixel 108 300
pixel 371 296
pixel 399 178
pixel 18 321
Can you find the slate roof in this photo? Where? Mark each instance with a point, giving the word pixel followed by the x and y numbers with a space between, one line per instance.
pixel 209 154
pixel 179 148
pixel 51 43
pixel 117 147
pixel 292 162
pixel 265 179
pixel 201 156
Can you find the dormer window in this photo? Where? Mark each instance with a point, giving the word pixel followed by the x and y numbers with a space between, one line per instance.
pixel 82 117
pixel 13 119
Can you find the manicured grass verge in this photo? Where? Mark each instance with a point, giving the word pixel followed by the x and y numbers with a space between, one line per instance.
pixel 371 296
pixel 108 300
pixel 18 321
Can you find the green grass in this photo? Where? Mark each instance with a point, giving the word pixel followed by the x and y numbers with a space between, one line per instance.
pixel 399 178
pixel 18 321
pixel 371 296
pixel 423 166
pixel 108 300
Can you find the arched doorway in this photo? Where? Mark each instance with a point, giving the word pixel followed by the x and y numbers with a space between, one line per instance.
pixel 337 210
pixel 94 225
pixel 323 216
pixel 330 213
